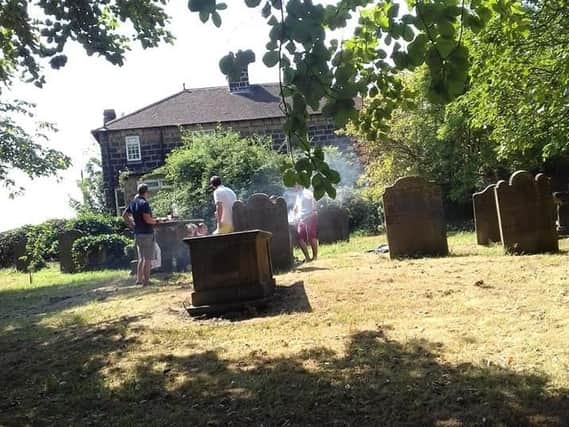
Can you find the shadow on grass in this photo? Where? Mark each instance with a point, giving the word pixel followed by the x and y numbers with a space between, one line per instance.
pixel 286 300
pixel 25 302
pixel 64 377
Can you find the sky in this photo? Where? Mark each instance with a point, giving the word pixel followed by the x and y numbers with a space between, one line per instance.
pixel 74 97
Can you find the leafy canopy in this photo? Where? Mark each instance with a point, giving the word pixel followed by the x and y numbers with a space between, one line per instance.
pixel 32 34
pixel 316 71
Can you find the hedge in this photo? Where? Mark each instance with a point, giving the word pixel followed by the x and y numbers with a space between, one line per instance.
pixel 101 252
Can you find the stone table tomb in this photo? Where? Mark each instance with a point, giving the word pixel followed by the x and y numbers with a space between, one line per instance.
pixel 230 271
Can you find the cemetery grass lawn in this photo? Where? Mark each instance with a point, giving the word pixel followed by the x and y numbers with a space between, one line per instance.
pixel 476 338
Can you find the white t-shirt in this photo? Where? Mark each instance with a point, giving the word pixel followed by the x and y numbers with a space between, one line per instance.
pixel 227 197
pixel 305 205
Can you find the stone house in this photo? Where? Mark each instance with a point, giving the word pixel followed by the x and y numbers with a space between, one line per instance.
pixel 140 141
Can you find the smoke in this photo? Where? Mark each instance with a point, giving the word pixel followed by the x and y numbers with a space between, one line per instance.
pixel 348 165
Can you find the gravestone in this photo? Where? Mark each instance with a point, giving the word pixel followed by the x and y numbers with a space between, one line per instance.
pixel 174 254
pixel 561 199
pixel 269 214
pixel 486 216
pixel 414 218
pixel 333 224
pixel 526 214
pixel 20 253
pixel 66 240
pixel 230 271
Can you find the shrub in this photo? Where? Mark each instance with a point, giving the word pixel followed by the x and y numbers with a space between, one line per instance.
pixel 247 165
pixel 42 243
pixel 101 252
pixel 8 243
pixel 93 224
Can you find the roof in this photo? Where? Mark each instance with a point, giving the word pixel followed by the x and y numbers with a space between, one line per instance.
pixel 205 105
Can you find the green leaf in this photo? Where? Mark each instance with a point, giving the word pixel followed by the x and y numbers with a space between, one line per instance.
pixel 290 177
pixel 216 19
pixel 445 46
pixel 271 58
pixel 266 11
pixel 204 16
pixel 252 3
pixel 221 6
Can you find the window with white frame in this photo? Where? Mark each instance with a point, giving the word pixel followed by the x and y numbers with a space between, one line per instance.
pixel 133 153
pixel 200 131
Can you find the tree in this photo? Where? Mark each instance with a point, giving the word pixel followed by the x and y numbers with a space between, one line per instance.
pixel 316 71
pixel 92 190
pixel 247 165
pixel 24 151
pixel 33 34
pixel 433 141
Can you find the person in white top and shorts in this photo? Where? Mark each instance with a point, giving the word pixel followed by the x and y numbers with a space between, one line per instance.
pixel 223 197
pixel 305 212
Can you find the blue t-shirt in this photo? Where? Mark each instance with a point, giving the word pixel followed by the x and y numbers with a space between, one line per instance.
pixel 136 208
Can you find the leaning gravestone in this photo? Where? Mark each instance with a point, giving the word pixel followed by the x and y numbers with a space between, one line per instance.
pixel 414 218
pixel 66 240
pixel 486 216
pixel 269 214
pixel 527 214
pixel 333 224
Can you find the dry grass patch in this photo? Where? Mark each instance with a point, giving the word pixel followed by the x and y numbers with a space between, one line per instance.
pixel 476 338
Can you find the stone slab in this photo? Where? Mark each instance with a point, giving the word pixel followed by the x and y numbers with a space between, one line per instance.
pixel 66 240
pixel 526 214
pixel 333 224
pixel 261 212
pixel 414 218
pixel 486 216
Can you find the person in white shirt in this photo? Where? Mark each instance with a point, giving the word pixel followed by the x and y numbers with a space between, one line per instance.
pixel 223 197
pixel 306 222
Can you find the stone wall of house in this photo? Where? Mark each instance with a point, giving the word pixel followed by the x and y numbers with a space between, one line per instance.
pixel 156 143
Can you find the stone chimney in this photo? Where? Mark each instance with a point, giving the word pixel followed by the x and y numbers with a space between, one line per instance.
pixel 242 84
pixel 109 115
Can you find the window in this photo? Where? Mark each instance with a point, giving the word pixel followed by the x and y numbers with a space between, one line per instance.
pixel 120 202
pixel 200 131
pixel 133 149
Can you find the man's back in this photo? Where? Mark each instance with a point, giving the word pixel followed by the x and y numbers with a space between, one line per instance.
pixel 226 197
pixel 137 207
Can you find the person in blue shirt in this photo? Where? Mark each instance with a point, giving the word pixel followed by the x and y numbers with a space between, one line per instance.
pixel 138 216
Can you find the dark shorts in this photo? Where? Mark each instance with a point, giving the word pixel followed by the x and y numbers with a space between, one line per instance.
pixel 145 246
pixel 307 229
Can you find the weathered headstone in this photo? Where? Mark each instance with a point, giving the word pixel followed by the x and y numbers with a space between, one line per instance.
pixel 414 218
pixel 230 271
pixel 269 214
pixel 527 214
pixel 20 253
pixel 333 224
pixel 174 254
pixel 486 216
pixel 561 199
pixel 66 240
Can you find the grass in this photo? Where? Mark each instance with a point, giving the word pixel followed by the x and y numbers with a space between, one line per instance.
pixel 476 338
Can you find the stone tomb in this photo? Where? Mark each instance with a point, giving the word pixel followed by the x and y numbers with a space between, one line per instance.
pixel 333 224
pixel 174 253
pixel 526 214
pixel 230 271
pixel 66 240
pixel 486 216
pixel 269 214
pixel 414 218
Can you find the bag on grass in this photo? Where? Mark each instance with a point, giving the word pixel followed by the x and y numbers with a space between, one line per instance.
pixel 156 257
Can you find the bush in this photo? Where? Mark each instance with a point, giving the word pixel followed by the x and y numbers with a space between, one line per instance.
pixel 42 243
pixel 101 252
pixel 94 224
pixel 365 215
pixel 247 165
pixel 9 240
